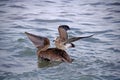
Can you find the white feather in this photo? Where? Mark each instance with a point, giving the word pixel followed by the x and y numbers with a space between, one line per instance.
pixel 67 46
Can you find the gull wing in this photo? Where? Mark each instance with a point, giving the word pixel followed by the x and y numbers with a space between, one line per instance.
pixel 38 41
pixel 63 32
pixel 77 38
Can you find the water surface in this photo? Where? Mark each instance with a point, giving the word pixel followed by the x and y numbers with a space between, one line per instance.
pixel 96 58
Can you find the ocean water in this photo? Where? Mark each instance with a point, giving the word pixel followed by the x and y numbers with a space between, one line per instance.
pixel 95 58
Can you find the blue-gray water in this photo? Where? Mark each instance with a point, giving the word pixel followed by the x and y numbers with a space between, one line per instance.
pixel 96 58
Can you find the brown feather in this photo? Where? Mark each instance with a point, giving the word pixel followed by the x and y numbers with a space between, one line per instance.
pixel 54 54
pixel 50 54
pixel 63 32
pixel 38 41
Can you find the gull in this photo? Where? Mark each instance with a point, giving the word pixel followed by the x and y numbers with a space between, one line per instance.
pixel 62 41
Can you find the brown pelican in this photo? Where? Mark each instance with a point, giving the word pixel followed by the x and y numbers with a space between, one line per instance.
pixel 46 53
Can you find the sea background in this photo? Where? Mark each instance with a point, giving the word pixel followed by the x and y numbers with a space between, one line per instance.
pixel 95 58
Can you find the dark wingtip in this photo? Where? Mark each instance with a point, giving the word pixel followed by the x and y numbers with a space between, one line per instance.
pixel 72 45
pixel 27 33
pixel 91 35
pixel 66 27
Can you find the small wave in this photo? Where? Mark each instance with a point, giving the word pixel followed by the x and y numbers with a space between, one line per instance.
pixel 17 17
pixel 67 1
pixel 67 15
pixel 114 4
pixel 108 17
pixel 22 27
pixel 108 77
pixel 113 36
pixel 2 4
pixel 89 24
pixel 74 29
pixel 104 31
pixel 116 11
pixel 94 40
pixel 23 76
pixel 9 65
pixel 49 1
pixel 18 6
pixel 21 40
pixel 4 0
pixel 116 21
pixel 89 77
pixel 4 75
pixel 113 10
pixel 114 49
pixel 43 29
pixel 97 3
pixel 27 52
pixel 87 14
pixel 51 21
pixel 2 12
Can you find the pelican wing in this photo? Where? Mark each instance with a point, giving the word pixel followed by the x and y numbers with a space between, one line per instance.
pixel 77 38
pixel 63 32
pixel 38 41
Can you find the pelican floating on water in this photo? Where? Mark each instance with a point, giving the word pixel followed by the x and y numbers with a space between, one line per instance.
pixel 46 53
pixel 62 42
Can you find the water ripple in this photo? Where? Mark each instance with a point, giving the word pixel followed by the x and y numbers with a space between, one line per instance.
pixel 116 21
pixel 51 21
pixel 18 6
pixel 108 17
pixel 49 1
pixel 2 12
pixel 88 24
pixel 2 5
pixel 114 4
pixel 114 49
pixel 95 58
pixel 98 3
